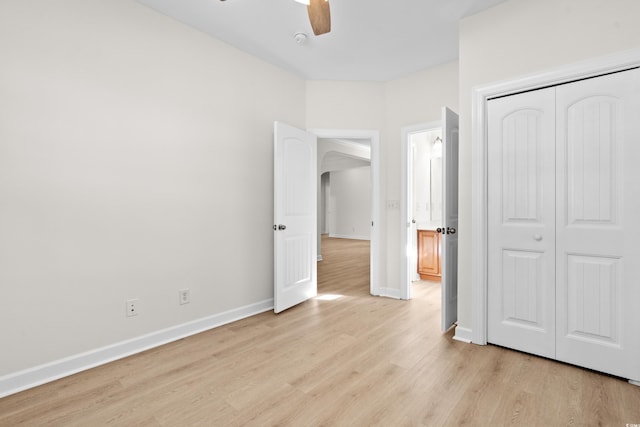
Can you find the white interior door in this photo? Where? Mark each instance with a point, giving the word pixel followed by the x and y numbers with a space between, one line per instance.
pixel 563 229
pixel 521 222
pixel 295 201
pixel 598 223
pixel 449 237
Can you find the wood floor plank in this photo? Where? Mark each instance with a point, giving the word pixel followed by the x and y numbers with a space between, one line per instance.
pixel 354 360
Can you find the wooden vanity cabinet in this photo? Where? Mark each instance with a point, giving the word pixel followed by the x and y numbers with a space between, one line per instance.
pixel 429 255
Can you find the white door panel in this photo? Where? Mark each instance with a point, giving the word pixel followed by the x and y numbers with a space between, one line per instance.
pixel 449 238
pixel 295 237
pixel 521 250
pixel 598 231
pixel 564 264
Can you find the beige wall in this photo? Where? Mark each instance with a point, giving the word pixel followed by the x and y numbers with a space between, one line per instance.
pixel 344 104
pixel 522 37
pixel 135 160
pixel 350 195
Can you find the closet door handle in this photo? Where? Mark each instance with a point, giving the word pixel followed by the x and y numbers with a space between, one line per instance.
pixel 537 237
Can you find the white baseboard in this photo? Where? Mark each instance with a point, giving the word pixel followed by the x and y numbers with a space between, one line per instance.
pixel 463 334
pixel 349 236
pixel 388 292
pixel 38 375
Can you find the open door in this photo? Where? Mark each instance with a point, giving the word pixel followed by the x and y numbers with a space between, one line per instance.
pixel 449 228
pixel 295 239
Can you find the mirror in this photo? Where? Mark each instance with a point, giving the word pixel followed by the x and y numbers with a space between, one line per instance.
pixel 435 193
pixel 427 179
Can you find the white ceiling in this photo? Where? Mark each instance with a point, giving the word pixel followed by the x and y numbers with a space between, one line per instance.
pixel 371 40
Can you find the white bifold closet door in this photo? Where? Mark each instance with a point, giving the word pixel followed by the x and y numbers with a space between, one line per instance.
pixel 564 223
pixel 521 181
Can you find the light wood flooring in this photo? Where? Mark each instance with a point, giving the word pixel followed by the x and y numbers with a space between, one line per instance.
pixel 355 360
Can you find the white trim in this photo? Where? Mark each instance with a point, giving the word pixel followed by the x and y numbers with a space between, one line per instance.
pixel 463 334
pixel 406 172
pixel 38 375
pixel 633 382
pixel 374 137
pixel 349 236
pixel 480 95
pixel 389 293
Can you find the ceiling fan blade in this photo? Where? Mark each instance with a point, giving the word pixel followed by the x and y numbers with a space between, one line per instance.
pixel 319 16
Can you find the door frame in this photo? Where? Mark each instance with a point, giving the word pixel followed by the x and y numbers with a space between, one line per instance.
pixel 406 172
pixel 479 187
pixel 374 137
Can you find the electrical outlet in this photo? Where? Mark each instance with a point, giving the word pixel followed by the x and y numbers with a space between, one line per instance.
pixel 184 296
pixel 132 307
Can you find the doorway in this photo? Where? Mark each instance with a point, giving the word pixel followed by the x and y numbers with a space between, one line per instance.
pixel 357 145
pixel 433 209
pixel 423 212
pixel 344 211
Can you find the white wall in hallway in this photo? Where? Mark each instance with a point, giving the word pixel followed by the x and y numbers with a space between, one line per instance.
pixel 350 203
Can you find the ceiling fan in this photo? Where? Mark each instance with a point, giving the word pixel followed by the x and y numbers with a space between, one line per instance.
pixel 319 15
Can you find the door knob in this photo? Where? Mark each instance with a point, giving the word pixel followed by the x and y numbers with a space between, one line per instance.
pixel 282 227
pixel 413 221
pixel 448 230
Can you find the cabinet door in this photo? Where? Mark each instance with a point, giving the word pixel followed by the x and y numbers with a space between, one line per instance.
pixel 428 254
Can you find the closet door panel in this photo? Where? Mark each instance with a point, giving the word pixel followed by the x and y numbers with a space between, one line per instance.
pixel 592 127
pixel 521 272
pixel 598 223
pixel 593 298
